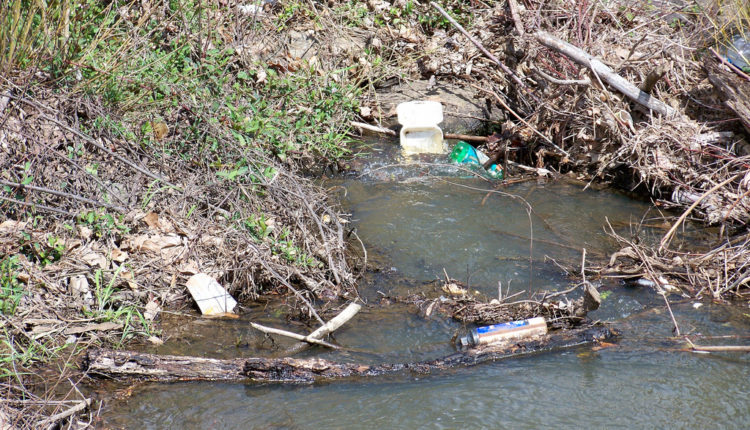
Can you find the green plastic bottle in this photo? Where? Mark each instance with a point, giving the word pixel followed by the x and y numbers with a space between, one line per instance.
pixel 463 153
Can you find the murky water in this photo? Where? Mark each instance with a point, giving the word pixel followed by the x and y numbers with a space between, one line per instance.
pixel 423 219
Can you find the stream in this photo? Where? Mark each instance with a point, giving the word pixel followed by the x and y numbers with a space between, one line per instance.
pixel 419 219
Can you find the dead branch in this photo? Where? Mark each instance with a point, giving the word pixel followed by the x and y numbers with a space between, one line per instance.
pixel 606 73
pixel 271 330
pixel 64 194
pixel 37 206
pixel 479 46
pixel 52 421
pixel 668 237
pixel 342 318
pixel 389 132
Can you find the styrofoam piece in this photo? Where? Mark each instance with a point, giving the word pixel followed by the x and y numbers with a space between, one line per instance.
pixel 211 297
pixel 420 132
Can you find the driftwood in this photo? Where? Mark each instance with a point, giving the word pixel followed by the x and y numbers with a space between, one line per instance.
pixel 342 318
pixel 605 73
pixel 142 366
pixel 271 330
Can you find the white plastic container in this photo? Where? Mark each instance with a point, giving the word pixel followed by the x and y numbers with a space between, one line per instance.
pixel 420 132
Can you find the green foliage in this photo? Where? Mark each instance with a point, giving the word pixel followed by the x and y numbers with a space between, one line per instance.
pixel 108 310
pixel 11 288
pixel 103 223
pixel 43 253
pixel 15 355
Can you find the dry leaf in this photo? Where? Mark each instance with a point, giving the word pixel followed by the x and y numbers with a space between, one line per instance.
pixel 189 268
pixel 155 340
pixel 11 226
pixel 118 256
pixel 151 310
pixel 128 277
pixel 160 130
pixel 95 259
pixel 152 220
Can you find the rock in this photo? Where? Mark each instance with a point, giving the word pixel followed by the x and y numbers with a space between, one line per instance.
pixel 301 45
pixel 463 111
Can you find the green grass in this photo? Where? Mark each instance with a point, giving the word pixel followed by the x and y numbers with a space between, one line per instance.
pixel 108 310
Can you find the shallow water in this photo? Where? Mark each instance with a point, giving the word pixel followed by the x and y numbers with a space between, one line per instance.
pixel 420 220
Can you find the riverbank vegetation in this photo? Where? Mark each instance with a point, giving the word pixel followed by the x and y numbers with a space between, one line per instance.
pixel 143 142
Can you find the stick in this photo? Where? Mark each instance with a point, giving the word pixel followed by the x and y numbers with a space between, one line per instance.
pixel 476 43
pixel 389 132
pixel 54 419
pixel 36 206
pixel 329 327
pixel 584 81
pixel 669 308
pixel 740 348
pixel 668 237
pixel 375 128
pixel 271 330
pixel 600 69
pixel 63 194
pixel 513 6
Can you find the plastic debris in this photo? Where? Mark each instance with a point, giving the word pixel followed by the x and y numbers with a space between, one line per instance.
pixel 463 153
pixel 504 332
pixel 420 132
pixel 211 297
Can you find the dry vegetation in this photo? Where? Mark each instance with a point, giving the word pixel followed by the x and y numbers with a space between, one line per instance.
pixel 141 142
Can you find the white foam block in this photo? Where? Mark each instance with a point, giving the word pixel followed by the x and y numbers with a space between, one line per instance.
pixel 211 297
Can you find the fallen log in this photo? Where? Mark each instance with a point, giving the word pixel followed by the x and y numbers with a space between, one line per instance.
pixel 606 74
pixel 151 367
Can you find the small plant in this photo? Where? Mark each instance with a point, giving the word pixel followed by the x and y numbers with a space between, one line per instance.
pixel 103 223
pixel 11 288
pixel 108 311
pixel 43 253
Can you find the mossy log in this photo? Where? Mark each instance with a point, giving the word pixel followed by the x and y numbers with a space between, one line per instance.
pixel 151 367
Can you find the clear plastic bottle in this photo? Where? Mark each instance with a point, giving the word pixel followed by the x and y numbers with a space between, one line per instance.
pixel 464 153
pixel 738 52
pixel 504 332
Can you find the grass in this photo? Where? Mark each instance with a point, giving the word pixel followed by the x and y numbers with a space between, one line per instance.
pixel 171 82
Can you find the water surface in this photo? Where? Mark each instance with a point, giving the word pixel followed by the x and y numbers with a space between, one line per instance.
pixel 422 219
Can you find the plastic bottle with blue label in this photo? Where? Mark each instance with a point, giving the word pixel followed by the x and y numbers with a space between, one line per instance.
pixel 504 332
pixel 464 153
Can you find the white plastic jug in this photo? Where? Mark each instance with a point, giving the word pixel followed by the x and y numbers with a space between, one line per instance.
pixel 420 132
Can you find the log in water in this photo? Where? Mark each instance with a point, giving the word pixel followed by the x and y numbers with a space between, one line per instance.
pixel 152 367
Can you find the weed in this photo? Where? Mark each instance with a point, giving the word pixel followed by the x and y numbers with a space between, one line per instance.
pixel 43 253
pixel 11 288
pixel 109 311
pixel 103 223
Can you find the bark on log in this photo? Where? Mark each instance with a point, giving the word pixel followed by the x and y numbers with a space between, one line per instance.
pixel 142 366
pixel 606 74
